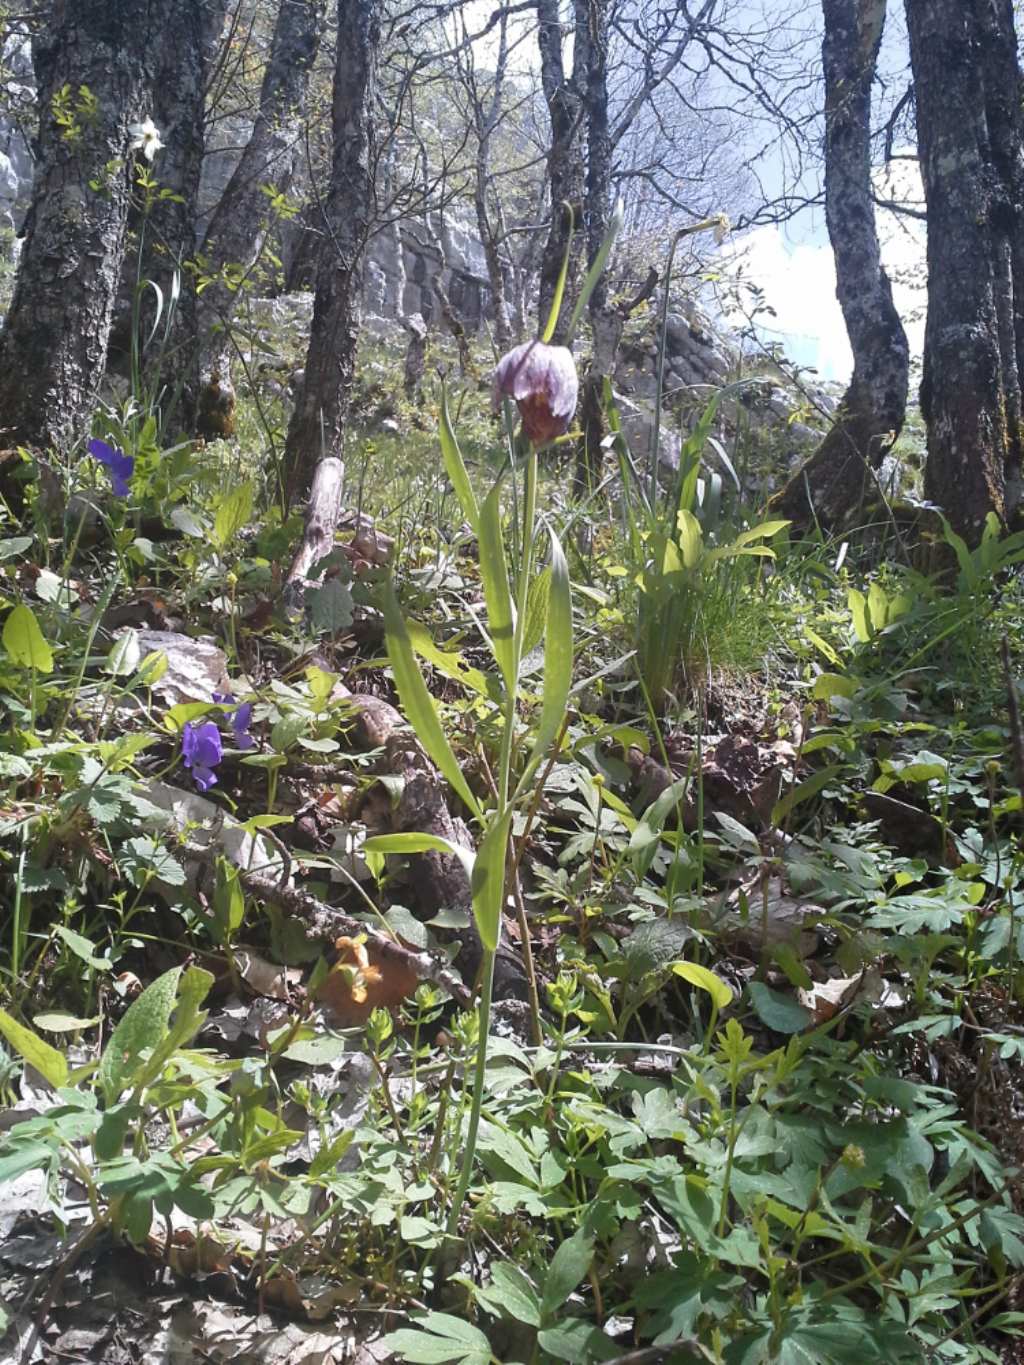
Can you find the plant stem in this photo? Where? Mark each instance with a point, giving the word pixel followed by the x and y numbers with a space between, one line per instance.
pixel 480 1071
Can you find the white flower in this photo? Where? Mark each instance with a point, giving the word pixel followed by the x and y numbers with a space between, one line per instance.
pixel 145 138
pixel 722 228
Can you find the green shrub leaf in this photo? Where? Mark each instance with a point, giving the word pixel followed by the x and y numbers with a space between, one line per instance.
pixel 23 641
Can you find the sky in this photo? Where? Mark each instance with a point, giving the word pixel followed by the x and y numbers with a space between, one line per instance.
pixel 795 268
pixel 793 263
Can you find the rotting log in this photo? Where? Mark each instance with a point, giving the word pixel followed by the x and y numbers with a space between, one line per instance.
pixel 324 517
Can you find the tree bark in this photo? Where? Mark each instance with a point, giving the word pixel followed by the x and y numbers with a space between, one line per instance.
pixel 832 483
pixel 1004 91
pixel 243 221
pixel 321 405
pixel 487 119
pixel 606 325
pixel 167 231
pixel 54 342
pixel 564 97
pixel 963 398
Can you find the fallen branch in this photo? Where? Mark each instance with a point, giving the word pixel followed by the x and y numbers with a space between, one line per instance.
pixel 325 922
pixel 322 517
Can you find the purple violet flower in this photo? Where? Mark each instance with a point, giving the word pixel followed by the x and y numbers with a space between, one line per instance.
pixel 241 719
pixel 201 750
pixel 240 723
pixel 120 466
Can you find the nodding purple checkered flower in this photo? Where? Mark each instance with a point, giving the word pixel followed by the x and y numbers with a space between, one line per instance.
pixel 543 381
pixel 201 750
pixel 119 466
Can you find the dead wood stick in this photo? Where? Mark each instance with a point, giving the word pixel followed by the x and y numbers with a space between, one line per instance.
pixel 325 922
pixel 322 517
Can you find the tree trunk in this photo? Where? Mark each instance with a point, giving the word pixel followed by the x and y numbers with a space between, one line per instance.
pixel 832 483
pixel 606 325
pixel 963 399
pixel 487 120
pixel 321 405
pixel 95 70
pixel 1003 113
pixel 244 220
pixel 564 97
pixel 167 235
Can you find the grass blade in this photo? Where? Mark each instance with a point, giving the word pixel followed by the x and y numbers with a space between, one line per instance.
pixel 596 270
pixel 456 467
pixel 417 703
pixel 563 275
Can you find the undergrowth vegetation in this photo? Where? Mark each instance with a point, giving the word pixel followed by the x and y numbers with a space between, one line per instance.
pixel 736 816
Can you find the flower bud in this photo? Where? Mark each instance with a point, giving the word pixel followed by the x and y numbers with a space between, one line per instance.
pixel 542 379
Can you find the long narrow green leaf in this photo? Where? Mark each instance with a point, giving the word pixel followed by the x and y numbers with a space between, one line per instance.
pixel 720 993
pixel 563 275
pixel 558 659
pixel 497 593
pixel 596 270
pixel 417 702
pixel 763 531
pixel 450 662
pixel 691 455
pixel 488 879
pixel 412 842
pixel 455 466
pixel 803 791
pixel 536 612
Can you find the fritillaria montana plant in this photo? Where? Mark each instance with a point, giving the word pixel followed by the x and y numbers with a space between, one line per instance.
pixel 541 379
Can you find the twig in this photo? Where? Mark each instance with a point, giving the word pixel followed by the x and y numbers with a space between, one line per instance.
pixel 655 1355
pixel 325 922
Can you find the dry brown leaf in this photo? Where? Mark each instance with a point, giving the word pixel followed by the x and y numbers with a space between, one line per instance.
pixel 826 998
pixel 361 981
pixel 263 977
pixel 771 918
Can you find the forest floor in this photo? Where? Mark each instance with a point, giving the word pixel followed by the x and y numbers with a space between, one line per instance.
pixel 768 1102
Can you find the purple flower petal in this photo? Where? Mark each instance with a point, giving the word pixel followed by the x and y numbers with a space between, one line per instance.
pixel 101 452
pixel 543 381
pixel 225 698
pixel 119 466
pixel 188 745
pixel 201 751
pixel 204 778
